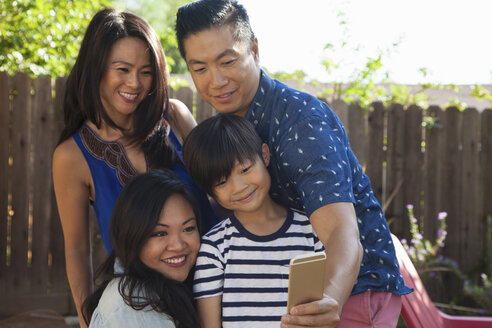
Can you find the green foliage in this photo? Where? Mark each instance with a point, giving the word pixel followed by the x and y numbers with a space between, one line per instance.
pixel 422 252
pixel 369 82
pixel 362 89
pixel 430 122
pixel 161 15
pixel 455 102
pixel 175 63
pixel 481 93
pixel 299 76
pixel 482 294
pixel 42 37
pixel 427 260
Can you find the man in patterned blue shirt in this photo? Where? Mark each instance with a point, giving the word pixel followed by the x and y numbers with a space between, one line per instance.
pixel 312 167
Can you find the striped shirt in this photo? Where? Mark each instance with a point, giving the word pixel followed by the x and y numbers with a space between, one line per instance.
pixel 251 272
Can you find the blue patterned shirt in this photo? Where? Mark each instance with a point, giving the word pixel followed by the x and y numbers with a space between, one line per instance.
pixel 312 165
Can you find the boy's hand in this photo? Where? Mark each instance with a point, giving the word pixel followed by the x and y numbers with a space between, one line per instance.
pixel 322 313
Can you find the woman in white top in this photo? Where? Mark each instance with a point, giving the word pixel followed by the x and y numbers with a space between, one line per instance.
pixel 155 234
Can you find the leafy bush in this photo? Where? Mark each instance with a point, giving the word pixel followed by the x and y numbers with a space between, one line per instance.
pixel 427 260
pixel 42 37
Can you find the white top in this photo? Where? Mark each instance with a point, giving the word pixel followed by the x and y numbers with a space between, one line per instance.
pixel 112 311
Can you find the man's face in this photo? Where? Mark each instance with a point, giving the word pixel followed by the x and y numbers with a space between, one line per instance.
pixel 226 72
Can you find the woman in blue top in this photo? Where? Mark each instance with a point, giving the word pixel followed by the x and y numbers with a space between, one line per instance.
pixel 119 122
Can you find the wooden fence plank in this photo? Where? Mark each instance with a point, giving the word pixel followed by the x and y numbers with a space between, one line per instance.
pixel 376 155
pixel 472 233
pixel 432 177
pixel 394 177
pixel 204 110
pixel 486 177
pixel 171 92
pixel 58 278
pixel 341 110
pixel 4 168
pixel 431 200
pixel 185 94
pixel 21 143
pixel 451 178
pixel 357 133
pixel 413 163
pixel 41 184
pixel 451 184
pixel 21 303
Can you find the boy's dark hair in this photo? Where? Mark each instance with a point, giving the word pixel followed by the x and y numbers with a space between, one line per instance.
pixel 135 215
pixel 212 148
pixel 202 15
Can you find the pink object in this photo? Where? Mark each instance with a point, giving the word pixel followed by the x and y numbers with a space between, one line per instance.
pixel 418 311
pixel 371 310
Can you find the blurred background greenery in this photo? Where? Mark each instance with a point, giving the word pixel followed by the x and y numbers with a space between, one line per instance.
pixel 42 37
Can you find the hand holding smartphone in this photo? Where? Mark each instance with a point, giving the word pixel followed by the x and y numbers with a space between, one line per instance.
pixel 306 279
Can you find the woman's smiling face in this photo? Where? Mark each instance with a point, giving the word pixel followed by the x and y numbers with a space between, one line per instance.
pixel 173 246
pixel 127 78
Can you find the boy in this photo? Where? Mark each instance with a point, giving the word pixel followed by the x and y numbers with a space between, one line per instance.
pixel 242 270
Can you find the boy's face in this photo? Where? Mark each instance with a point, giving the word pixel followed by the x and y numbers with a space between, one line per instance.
pixel 226 72
pixel 247 187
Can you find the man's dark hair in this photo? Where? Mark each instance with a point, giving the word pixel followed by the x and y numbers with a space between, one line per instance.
pixel 214 146
pixel 201 15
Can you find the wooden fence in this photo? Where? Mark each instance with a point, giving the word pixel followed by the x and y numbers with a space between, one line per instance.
pixel 443 168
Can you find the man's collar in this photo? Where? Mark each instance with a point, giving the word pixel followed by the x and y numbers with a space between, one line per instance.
pixel 261 102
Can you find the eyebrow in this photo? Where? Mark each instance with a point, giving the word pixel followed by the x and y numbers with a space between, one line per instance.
pixel 184 223
pixel 222 54
pixel 127 63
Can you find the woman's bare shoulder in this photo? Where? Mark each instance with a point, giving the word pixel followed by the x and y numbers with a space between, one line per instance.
pixel 181 118
pixel 68 160
pixel 67 152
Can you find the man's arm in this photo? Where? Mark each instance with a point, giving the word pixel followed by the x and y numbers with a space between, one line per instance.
pixel 210 312
pixel 336 227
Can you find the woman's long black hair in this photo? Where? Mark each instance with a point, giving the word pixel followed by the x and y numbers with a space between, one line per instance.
pixel 135 215
pixel 82 99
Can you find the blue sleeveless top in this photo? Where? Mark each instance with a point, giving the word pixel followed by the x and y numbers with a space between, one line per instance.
pixel 111 170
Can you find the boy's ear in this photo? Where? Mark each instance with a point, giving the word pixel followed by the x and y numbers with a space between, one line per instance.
pixel 265 152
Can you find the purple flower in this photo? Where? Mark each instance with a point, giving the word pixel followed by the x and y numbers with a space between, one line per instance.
pixel 414 220
pixel 409 207
pixel 441 233
pixel 419 236
pixel 442 215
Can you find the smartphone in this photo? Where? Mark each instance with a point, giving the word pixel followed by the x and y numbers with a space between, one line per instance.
pixel 306 279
